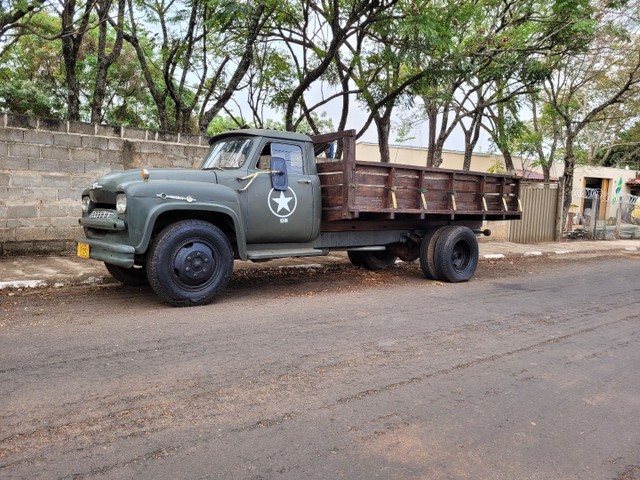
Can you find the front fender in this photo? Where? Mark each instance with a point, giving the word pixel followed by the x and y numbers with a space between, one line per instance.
pixel 149 201
pixel 230 210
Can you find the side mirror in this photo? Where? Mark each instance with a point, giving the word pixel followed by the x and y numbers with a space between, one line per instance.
pixel 279 179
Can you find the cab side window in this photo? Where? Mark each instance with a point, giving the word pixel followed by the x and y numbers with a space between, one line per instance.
pixel 264 161
pixel 292 154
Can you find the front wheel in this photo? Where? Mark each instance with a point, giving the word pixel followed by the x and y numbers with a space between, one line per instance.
pixel 190 263
pixel 135 276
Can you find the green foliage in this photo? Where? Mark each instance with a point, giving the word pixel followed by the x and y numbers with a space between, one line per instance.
pixel 221 124
pixel 446 52
pixel 31 82
pixel 321 121
pixel 403 131
pixel 497 167
pixel 625 150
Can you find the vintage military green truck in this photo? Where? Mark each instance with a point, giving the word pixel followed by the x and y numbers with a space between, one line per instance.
pixel 264 194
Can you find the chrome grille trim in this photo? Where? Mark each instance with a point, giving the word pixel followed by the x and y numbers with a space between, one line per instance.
pixel 102 214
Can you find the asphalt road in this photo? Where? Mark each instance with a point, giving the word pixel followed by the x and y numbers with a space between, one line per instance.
pixel 530 371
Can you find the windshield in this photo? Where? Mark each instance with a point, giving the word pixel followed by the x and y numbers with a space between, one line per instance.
pixel 227 153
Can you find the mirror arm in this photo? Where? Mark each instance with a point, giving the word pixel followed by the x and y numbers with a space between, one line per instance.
pixel 253 176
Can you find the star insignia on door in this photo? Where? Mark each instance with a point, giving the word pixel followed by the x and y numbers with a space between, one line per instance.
pixel 282 203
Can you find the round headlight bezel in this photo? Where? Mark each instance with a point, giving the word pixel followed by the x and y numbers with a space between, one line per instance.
pixel 86 202
pixel 121 203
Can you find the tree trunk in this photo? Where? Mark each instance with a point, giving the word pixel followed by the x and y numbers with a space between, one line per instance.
pixel 468 153
pixel 437 153
pixel 471 137
pixel 105 61
pixel 159 96
pixel 383 126
pixel 508 161
pixel 70 46
pixel 432 116
pixel 569 166
pixel 546 172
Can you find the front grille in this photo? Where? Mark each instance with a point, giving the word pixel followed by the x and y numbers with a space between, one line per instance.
pixel 102 214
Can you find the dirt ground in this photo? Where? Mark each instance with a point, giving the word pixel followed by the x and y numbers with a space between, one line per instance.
pixel 528 371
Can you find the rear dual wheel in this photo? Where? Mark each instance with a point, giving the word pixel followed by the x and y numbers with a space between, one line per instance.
pixel 450 254
pixel 427 252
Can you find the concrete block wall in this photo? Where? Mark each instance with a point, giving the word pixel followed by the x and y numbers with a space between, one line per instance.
pixel 46 163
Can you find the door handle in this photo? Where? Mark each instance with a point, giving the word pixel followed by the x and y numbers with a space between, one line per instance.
pixel 306 181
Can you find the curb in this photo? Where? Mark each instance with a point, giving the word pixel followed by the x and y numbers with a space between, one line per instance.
pixel 537 253
pixel 33 284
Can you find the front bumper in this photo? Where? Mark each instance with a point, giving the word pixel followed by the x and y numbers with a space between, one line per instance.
pixel 114 253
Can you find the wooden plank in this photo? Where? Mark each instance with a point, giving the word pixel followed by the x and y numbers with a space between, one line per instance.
pixel 365 188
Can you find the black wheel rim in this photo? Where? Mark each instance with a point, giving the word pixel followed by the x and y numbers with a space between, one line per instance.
pixel 194 264
pixel 461 256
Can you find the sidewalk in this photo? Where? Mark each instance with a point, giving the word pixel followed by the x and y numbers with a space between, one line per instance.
pixel 65 270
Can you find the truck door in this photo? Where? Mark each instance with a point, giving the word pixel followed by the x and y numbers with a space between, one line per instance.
pixel 287 215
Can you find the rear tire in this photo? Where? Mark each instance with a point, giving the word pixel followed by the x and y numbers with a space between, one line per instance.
pixel 378 260
pixel 427 253
pixel 456 254
pixel 355 258
pixel 190 263
pixel 135 276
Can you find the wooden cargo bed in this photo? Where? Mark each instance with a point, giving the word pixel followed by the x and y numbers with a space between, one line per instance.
pixel 372 190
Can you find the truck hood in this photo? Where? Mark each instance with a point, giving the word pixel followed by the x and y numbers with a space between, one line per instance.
pixel 118 181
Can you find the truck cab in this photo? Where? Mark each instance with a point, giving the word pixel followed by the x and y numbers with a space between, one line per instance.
pixel 274 176
pixel 255 188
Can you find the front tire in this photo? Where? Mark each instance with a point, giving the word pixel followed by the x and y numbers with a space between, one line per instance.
pixel 135 276
pixel 456 254
pixel 190 263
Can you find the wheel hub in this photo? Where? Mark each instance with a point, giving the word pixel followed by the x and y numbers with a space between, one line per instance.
pixel 460 256
pixel 194 264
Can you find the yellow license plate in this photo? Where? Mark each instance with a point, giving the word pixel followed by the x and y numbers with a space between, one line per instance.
pixel 83 250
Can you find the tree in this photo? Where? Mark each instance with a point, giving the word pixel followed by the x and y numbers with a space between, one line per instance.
pixel 74 25
pixel 105 60
pixel 14 15
pixel 589 84
pixel 504 51
pixel 624 151
pixel 406 47
pixel 503 123
pixel 31 81
pixel 313 34
pixel 197 57
pixel 541 137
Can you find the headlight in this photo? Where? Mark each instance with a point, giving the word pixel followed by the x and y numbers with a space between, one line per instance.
pixel 86 201
pixel 121 203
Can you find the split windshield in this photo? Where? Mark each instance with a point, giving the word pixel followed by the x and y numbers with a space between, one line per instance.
pixel 227 153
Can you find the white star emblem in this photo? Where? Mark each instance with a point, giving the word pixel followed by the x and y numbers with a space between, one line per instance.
pixel 283 202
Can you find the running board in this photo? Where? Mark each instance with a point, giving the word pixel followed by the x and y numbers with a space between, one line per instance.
pixel 266 254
